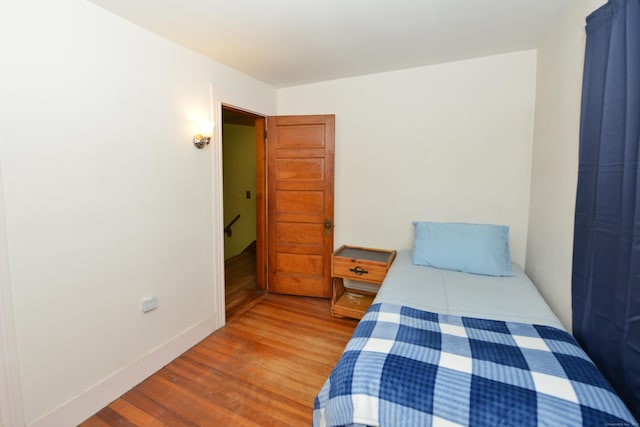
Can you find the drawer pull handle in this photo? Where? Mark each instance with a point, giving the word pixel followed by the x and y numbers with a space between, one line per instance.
pixel 359 271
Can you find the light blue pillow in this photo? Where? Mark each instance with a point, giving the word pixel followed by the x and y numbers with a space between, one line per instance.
pixel 472 248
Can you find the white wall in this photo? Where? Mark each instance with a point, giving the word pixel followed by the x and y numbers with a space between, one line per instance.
pixel 106 200
pixel 10 392
pixel 449 142
pixel 555 158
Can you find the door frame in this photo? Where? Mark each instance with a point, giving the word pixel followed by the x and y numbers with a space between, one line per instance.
pixel 261 204
pixel 242 102
pixel 260 194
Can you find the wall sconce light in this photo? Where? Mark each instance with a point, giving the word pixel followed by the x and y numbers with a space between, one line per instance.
pixel 204 137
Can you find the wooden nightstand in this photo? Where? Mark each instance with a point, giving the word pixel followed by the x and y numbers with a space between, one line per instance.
pixel 365 268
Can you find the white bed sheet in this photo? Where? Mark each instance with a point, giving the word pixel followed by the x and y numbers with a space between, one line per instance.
pixel 513 299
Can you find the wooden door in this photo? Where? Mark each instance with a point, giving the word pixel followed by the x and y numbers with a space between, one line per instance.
pixel 300 165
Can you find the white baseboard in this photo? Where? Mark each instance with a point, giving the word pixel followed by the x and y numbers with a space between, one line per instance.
pixel 100 395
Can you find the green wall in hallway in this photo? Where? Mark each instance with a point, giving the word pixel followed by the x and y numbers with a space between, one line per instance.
pixel 239 163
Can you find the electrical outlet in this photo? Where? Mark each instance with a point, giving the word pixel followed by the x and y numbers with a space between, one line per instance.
pixel 149 303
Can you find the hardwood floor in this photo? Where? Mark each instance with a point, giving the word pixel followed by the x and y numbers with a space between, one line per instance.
pixel 263 368
pixel 240 282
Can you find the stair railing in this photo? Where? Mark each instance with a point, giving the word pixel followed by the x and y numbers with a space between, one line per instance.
pixel 227 229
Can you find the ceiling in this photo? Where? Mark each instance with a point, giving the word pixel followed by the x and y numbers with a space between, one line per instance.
pixel 290 42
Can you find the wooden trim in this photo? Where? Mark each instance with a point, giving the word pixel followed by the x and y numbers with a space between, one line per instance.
pixel 261 205
pixel 241 111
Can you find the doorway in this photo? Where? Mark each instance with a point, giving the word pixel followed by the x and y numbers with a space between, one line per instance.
pixel 242 215
pixel 296 206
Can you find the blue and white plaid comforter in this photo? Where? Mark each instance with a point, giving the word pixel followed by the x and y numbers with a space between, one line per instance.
pixel 407 367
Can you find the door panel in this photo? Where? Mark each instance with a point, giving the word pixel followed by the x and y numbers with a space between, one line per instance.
pixel 291 233
pixel 300 159
pixel 303 285
pixel 300 169
pixel 302 136
pixel 300 264
pixel 298 203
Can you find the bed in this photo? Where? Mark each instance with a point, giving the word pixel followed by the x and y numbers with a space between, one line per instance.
pixel 450 348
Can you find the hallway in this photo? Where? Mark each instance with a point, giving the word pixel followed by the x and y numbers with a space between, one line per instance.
pixel 240 282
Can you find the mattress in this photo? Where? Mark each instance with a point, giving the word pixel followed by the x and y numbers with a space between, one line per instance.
pixel 512 299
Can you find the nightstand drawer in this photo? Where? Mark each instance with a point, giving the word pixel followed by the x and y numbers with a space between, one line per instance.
pixel 369 265
pixel 358 269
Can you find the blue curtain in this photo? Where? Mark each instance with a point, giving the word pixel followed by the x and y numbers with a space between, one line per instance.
pixel 606 254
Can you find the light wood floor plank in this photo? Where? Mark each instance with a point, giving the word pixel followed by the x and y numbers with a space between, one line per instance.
pixel 240 282
pixel 134 414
